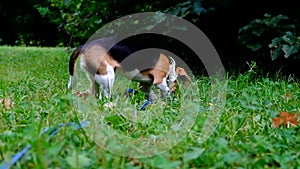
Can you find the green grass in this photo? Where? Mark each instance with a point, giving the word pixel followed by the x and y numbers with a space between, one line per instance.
pixel 35 79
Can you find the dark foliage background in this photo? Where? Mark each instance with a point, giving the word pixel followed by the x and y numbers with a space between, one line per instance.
pixel 70 22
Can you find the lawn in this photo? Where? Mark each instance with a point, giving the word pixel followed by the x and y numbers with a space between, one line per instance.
pixel 34 97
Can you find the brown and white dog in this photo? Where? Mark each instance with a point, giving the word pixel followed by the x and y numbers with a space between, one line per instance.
pixel 100 58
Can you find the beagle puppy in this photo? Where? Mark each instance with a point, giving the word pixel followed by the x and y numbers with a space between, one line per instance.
pixel 100 58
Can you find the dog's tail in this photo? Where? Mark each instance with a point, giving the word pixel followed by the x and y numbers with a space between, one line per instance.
pixel 72 65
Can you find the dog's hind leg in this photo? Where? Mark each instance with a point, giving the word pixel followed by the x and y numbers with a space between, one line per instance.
pixel 72 81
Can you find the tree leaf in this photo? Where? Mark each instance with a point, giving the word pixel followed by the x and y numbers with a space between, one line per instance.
pixel 289 26
pixel 258 32
pixel 276 53
pixel 198 9
pixel 254 47
pixel 98 21
pixel 267 15
pixel 275 42
pixel 288 38
pixel 159 17
pixel 289 50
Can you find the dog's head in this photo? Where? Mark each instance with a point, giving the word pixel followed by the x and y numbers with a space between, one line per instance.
pixel 182 76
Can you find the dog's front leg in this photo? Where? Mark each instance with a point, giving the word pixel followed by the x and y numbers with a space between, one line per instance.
pixel 106 82
pixel 164 88
pixel 146 88
pixel 93 90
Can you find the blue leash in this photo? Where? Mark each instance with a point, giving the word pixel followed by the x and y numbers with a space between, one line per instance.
pixel 15 158
pixel 20 154
pixel 147 102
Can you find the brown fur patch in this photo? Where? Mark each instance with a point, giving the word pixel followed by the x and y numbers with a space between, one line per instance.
pixel 160 69
pixel 95 59
pixel 181 72
pixel 102 69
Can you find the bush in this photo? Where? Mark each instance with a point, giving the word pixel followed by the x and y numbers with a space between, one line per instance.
pixel 277 34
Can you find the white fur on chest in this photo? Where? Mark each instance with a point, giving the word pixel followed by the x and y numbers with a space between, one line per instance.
pixel 106 81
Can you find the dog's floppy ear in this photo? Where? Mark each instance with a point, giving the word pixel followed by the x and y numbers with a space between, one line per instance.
pixel 182 75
